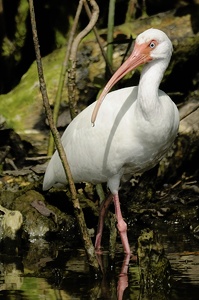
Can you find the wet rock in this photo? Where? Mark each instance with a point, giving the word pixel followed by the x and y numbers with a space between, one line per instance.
pixel 153 264
pixel 11 222
pixel 38 255
pixel 10 233
pixel 37 224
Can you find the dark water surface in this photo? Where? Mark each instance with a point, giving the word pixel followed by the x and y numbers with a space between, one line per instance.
pixel 45 272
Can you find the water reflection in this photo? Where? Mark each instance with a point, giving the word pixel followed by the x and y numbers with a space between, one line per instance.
pixel 44 272
pixel 122 283
pixel 12 277
pixel 123 278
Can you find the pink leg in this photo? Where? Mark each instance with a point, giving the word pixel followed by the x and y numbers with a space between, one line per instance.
pixel 121 225
pixel 123 277
pixel 103 209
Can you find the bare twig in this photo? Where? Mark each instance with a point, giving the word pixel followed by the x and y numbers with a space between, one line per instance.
pixel 98 39
pixel 73 55
pixel 63 76
pixel 77 208
pixel 111 17
pixel 189 113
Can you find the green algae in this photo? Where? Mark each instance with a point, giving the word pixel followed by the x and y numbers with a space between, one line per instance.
pixel 23 105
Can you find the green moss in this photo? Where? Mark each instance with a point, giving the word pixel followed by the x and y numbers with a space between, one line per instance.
pixel 60 38
pixel 23 105
pixel 7 47
pixel 20 20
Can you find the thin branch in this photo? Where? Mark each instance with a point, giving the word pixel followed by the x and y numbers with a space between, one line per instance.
pixel 63 76
pixel 189 113
pixel 77 208
pixel 73 57
pixel 111 17
pixel 98 39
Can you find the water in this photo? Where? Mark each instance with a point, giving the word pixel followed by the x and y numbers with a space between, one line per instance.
pixel 45 272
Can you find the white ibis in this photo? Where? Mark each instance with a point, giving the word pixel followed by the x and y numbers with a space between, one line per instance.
pixel 135 127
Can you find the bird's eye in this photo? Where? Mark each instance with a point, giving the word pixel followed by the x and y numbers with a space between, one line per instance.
pixel 152 45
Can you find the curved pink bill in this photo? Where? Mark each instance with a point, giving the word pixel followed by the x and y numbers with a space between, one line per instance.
pixel 139 56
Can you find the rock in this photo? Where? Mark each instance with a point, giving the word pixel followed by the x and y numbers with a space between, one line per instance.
pixel 153 264
pixel 43 222
pixel 11 222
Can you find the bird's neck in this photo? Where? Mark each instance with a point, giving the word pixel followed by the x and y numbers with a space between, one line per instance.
pixel 148 100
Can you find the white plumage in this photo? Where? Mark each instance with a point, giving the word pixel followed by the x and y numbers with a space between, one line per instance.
pixel 134 127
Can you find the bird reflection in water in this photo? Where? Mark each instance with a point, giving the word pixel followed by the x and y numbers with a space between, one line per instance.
pixel 106 290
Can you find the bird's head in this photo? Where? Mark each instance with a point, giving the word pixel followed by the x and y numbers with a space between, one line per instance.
pixel 150 45
pixel 154 44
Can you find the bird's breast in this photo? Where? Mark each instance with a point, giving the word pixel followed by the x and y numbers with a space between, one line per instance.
pixel 139 143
